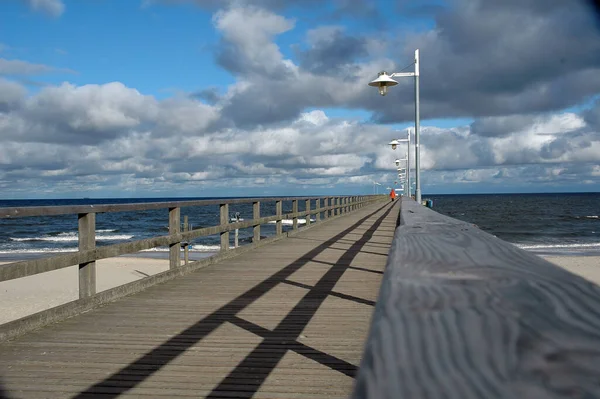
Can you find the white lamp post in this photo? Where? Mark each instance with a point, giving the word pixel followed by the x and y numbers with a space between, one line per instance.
pixel 394 144
pixel 384 81
pixel 376 188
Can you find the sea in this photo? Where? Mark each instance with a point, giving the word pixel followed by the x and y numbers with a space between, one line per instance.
pixel 545 224
pixel 34 237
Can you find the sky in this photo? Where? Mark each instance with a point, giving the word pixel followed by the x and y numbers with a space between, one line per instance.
pixel 188 98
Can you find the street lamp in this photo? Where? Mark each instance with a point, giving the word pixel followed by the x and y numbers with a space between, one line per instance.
pixel 376 188
pixel 394 143
pixel 384 81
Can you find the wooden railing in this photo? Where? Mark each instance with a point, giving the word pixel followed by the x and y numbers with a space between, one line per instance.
pixel 88 253
pixel 463 314
pixel 323 208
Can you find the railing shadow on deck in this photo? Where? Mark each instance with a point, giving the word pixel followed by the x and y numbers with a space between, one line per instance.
pixel 254 369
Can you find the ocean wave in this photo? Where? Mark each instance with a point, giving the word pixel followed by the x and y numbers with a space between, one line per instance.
pixel 14 251
pixel 291 221
pixel 195 248
pixel 72 237
pixel 559 246
pixel 36 250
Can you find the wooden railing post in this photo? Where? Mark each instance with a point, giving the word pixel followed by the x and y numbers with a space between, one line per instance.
pixel 318 206
pixel 174 228
pixel 224 219
pixel 278 212
pixel 87 241
pixel 256 215
pixel 307 209
pixel 337 206
pixel 295 218
pixel 346 209
pixel 186 248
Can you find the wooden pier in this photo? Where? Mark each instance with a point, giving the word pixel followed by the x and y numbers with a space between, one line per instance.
pixel 375 300
pixel 285 320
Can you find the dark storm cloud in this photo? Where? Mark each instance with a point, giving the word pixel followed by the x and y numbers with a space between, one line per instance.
pixel 210 95
pixel 497 58
pixel 332 52
pixel 501 126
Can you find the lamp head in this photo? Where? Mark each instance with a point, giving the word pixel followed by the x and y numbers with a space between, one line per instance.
pixel 397 162
pixel 382 82
pixel 394 144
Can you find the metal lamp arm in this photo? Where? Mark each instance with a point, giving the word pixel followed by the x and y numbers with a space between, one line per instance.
pixel 403 74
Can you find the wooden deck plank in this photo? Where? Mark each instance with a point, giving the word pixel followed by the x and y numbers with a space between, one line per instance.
pixel 286 320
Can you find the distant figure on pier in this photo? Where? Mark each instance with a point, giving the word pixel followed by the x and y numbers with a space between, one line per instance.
pixel 392 194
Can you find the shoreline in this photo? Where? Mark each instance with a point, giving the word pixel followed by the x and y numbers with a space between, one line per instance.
pixel 17 257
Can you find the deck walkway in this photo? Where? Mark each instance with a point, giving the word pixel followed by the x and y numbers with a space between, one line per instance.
pixel 286 320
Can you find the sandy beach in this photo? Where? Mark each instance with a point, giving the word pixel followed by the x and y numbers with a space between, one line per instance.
pixel 28 295
pixel 25 296
pixel 587 267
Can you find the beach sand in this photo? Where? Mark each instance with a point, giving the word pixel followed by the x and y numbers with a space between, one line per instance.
pixel 24 296
pixel 587 267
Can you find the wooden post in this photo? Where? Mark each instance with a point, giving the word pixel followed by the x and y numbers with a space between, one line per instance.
pixel 224 219
pixel 186 249
pixel 345 204
pixel 307 208
pixel 174 228
pixel 333 203
pixel 337 206
pixel 278 212
pixel 318 206
pixel 256 215
pixel 295 218
pixel 325 205
pixel 87 241
pixel 236 237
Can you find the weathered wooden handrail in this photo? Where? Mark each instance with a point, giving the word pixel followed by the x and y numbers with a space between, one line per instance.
pixel 463 314
pixel 88 253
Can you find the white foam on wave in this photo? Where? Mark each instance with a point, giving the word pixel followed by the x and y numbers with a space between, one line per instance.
pixel 559 246
pixel 72 237
pixel 592 217
pixel 37 250
pixel 195 248
pixel 291 221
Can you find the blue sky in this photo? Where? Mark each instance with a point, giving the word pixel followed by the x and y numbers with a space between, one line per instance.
pixel 195 97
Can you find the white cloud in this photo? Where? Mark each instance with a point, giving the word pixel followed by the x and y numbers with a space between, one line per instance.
pixel 54 8
pixel 19 67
